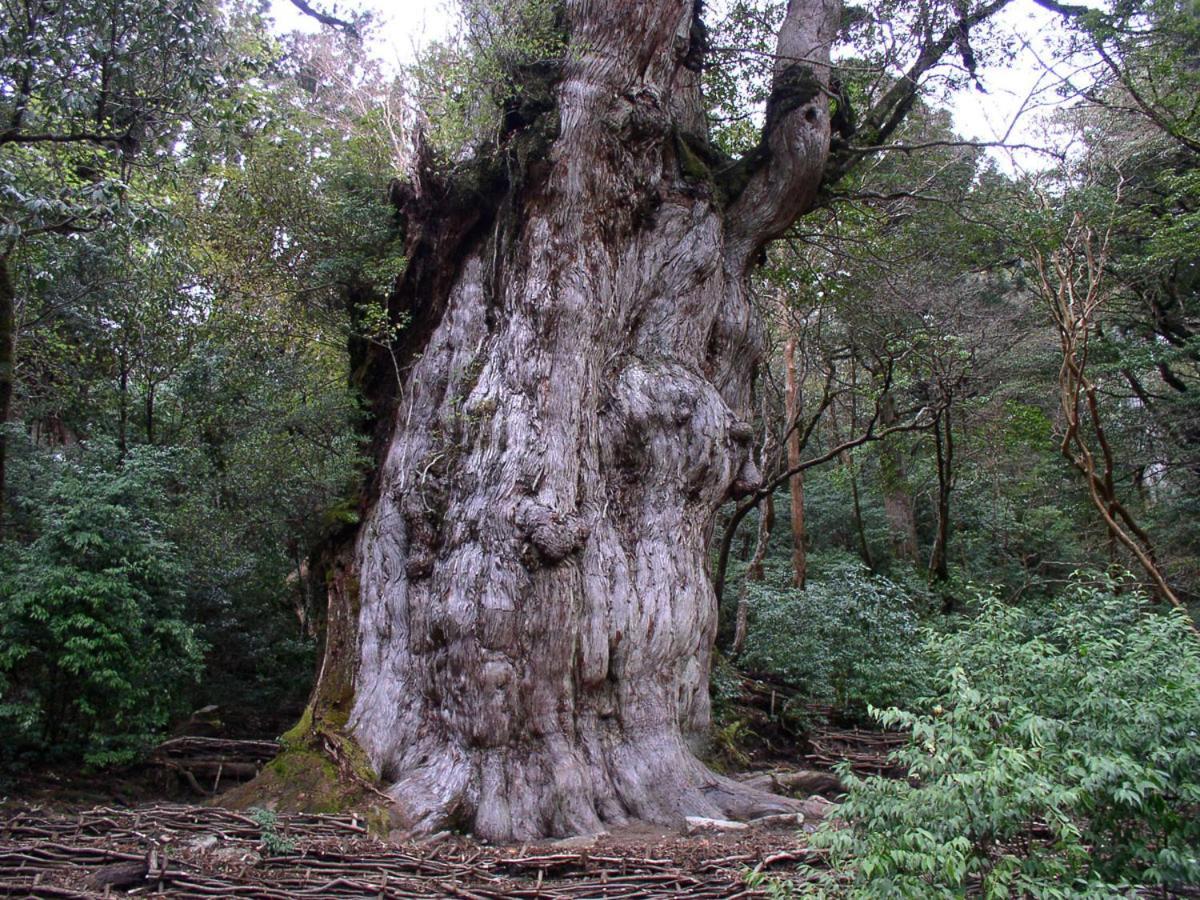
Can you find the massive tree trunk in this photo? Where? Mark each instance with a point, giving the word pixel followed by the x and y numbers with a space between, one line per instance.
pixel 521 629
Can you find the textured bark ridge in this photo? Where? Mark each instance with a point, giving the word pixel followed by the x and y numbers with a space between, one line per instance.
pixel 532 616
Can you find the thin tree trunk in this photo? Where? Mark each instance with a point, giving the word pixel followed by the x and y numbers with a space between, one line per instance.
pixel 520 630
pixel 754 572
pixel 796 481
pixel 8 348
pixel 897 492
pixel 943 442
pixel 864 547
pixel 149 404
pixel 766 525
pixel 123 403
pixel 846 460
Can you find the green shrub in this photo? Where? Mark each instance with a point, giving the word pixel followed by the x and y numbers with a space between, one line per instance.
pixel 94 651
pixel 1060 757
pixel 851 639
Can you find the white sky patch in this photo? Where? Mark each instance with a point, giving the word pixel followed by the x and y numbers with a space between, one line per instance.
pixel 402 29
pixel 1021 97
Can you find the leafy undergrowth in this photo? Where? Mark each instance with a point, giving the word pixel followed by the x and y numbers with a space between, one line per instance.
pixel 1059 757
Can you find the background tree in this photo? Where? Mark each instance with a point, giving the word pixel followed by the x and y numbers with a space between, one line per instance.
pixel 86 92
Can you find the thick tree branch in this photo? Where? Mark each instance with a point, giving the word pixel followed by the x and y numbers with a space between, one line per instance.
pixel 13 136
pixel 926 145
pixel 889 111
pixel 783 174
pixel 326 19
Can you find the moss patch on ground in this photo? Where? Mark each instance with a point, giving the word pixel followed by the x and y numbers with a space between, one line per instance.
pixel 320 769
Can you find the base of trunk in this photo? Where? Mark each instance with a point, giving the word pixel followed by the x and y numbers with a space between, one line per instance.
pixel 318 771
pixel 517 794
pixel 504 795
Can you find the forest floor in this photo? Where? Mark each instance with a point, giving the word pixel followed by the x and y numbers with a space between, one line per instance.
pixel 71 835
pixel 199 851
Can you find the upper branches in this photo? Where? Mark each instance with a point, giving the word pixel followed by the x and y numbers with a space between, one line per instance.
pixel 784 173
pixel 1150 56
pixel 344 25
pixel 887 113
pixel 802 146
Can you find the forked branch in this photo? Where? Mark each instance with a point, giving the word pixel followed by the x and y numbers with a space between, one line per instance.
pixel 1071 281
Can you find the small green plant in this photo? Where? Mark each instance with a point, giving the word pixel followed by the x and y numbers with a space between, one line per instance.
pixel 1059 757
pixel 502 57
pixel 272 841
pixel 730 740
pixel 375 325
pixel 772 885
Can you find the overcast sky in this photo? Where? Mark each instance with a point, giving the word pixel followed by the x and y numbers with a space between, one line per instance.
pixel 978 116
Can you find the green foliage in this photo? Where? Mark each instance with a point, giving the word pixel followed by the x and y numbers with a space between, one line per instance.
pixel 1058 757
pixel 209 314
pixel 272 841
pixel 725 688
pixel 730 742
pixel 94 646
pixel 774 887
pixel 745 42
pixel 850 639
pixel 500 62
pixel 273 458
pixel 84 89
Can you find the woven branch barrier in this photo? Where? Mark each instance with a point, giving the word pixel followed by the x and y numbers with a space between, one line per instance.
pixel 204 852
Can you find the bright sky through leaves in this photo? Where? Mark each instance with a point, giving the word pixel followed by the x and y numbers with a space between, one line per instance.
pixel 1014 99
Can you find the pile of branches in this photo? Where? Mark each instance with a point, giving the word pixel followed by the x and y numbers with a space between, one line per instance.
pixel 187 851
pixel 204 762
pixel 868 752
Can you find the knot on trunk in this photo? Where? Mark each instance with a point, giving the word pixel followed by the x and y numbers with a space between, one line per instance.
pixel 749 477
pixel 554 535
pixel 792 88
pixel 423 513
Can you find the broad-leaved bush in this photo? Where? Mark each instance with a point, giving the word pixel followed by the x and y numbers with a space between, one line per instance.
pixel 849 640
pixel 94 646
pixel 1059 756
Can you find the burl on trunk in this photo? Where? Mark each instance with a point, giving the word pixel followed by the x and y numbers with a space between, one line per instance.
pixel 520 630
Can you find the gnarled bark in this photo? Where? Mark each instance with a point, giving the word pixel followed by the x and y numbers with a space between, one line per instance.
pixel 524 619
